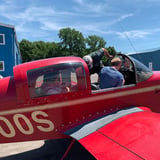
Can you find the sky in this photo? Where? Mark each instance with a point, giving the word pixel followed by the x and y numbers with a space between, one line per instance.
pixel 128 26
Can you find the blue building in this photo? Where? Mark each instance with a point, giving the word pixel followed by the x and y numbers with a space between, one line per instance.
pixel 151 58
pixel 9 50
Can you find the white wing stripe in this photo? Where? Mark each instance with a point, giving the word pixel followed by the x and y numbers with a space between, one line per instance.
pixel 81 101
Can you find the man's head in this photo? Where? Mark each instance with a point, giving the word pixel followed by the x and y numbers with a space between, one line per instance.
pixel 127 63
pixel 88 59
pixel 116 62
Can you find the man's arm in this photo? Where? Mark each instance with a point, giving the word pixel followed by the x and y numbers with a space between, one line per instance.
pixel 107 54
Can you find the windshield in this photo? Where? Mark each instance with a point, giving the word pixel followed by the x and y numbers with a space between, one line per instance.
pixel 142 71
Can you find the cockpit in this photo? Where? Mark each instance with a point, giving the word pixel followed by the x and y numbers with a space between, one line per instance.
pixel 56 79
pixel 71 77
pixel 133 70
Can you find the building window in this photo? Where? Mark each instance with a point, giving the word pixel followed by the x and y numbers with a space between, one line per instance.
pixel 1 65
pixel 2 39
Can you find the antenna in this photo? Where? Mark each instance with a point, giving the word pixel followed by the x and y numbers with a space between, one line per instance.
pixel 130 42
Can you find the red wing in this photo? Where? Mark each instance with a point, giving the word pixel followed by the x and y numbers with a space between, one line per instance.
pixel 128 134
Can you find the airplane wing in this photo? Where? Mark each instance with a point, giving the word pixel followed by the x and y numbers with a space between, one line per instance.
pixel 127 134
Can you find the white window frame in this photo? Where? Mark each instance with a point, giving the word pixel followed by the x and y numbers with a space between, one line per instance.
pixel 3 35
pixel 2 66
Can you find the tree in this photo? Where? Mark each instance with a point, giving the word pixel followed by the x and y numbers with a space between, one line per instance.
pixel 53 50
pixel 26 50
pixel 94 43
pixel 72 43
pixel 72 40
pixel 112 51
pixel 39 50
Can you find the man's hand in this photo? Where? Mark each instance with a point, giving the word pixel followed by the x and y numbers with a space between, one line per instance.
pixel 107 54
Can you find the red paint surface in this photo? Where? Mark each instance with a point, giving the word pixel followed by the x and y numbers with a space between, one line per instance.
pixel 135 136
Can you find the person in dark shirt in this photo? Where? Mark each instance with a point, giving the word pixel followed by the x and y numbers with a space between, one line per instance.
pixel 94 60
pixel 128 72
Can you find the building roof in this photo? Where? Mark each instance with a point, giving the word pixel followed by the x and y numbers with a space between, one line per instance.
pixel 144 51
pixel 7 25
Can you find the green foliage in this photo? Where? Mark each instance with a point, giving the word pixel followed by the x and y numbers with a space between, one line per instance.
pixel 112 51
pixel 25 49
pixel 94 43
pixel 72 43
pixel 38 50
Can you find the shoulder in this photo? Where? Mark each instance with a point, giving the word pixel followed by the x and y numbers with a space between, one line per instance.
pixel 99 52
pixel 105 68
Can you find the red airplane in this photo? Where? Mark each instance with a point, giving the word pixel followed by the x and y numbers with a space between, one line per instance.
pixel 114 123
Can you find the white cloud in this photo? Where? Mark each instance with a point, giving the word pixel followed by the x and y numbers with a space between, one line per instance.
pixel 51 26
pixel 34 20
pixel 141 34
pixel 123 17
pixel 90 6
pixel 49 18
pixel 133 34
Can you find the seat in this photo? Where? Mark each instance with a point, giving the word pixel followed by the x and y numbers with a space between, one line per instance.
pixel 39 92
pixel 94 86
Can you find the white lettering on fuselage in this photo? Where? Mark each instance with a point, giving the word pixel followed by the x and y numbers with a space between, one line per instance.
pixel 24 125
